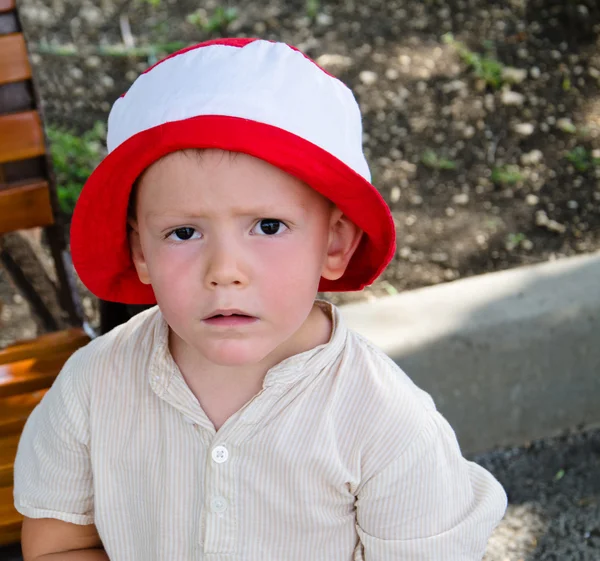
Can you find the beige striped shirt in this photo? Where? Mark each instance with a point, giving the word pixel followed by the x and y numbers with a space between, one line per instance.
pixel 339 457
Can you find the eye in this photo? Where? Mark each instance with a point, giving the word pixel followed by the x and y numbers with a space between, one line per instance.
pixel 183 234
pixel 269 227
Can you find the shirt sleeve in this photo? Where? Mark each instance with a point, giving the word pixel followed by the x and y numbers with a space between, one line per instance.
pixel 429 504
pixel 53 475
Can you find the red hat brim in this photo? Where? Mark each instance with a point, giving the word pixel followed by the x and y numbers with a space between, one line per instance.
pixel 99 243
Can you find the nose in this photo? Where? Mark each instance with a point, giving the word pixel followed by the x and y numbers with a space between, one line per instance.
pixel 225 267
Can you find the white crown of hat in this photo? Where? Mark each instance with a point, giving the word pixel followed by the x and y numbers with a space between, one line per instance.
pixel 262 81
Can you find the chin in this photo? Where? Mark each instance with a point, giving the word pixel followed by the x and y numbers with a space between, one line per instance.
pixel 236 354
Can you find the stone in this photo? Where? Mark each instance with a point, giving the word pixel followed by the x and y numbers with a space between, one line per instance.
pixel 532 158
pixel 76 73
pixel 329 61
pixel 368 77
pixel 512 98
pixel 460 199
pixel 404 252
pixel 93 61
pixel 527 245
pixel 566 125
pixel 395 194
pixel 454 86
pixel 107 82
pixel 535 72
pixel 524 129
pixel 324 19
pixel 514 75
pixel 532 200
pixel 392 74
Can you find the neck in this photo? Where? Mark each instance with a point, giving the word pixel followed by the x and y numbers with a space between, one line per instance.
pixel 316 330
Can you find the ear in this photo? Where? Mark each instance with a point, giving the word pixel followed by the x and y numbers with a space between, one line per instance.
pixel 137 254
pixel 344 237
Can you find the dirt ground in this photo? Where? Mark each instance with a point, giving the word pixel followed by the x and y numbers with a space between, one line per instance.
pixel 424 110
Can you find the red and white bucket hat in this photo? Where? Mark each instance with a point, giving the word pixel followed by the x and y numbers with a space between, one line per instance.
pixel 254 96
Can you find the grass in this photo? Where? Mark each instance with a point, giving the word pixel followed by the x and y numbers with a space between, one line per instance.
pixel 486 67
pixel 312 8
pixel 219 21
pixel 582 159
pixel 506 175
pixel 74 157
pixel 433 161
pixel 514 240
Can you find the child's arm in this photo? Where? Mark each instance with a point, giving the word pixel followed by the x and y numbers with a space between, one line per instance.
pixel 429 504
pixel 53 478
pixel 48 539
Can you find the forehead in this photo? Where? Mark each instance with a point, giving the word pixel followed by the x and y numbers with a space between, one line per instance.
pixel 211 179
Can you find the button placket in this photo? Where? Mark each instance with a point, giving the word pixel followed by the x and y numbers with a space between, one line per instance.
pixel 220 527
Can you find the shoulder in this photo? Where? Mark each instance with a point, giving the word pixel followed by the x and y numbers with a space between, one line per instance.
pixel 374 395
pixel 118 354
pixel 385 383
pixel 122 344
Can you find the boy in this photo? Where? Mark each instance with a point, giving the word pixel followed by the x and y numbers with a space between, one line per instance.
pixel 240 419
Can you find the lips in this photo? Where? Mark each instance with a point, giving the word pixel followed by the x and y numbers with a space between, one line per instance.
pixel 228 313
pixel 229 318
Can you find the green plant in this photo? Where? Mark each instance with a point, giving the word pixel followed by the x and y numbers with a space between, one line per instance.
pixel 312 8
pixel 433 161
pixel 153 3
pixel 486 67
pixel 582 159
pixel 219 21
pixel 514 240
pixel 506 175
pixel 74 157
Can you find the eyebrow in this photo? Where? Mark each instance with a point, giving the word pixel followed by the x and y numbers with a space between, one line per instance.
pixel 265 211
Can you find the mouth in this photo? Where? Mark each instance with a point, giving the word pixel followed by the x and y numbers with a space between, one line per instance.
pixel 229 318
pixel 227 313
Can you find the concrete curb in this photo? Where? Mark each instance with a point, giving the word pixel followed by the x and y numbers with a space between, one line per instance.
pixel 508 357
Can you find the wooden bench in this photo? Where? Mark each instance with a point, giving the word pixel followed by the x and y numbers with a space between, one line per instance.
pixel 28 200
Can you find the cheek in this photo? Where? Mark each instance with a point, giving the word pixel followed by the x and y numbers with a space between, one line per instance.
pixel 289 268
pixel 171 271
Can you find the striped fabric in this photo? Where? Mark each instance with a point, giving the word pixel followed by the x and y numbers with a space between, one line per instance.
pixel 339 457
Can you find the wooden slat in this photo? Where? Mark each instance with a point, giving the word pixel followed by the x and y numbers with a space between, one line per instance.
pixel 21 136
pixel 14 61
pixel 7 5
pixel 45 346
pixel 25 206
pixel 8 451
pixel 15 410
pixel 10 519
pixel 29 375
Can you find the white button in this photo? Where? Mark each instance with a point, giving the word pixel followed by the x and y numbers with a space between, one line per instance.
pixel 220 454
pixel 218 504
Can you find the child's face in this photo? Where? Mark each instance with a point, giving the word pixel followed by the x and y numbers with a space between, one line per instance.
pixel 219 231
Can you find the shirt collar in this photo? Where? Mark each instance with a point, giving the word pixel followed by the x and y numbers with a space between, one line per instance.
pixel 163 368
